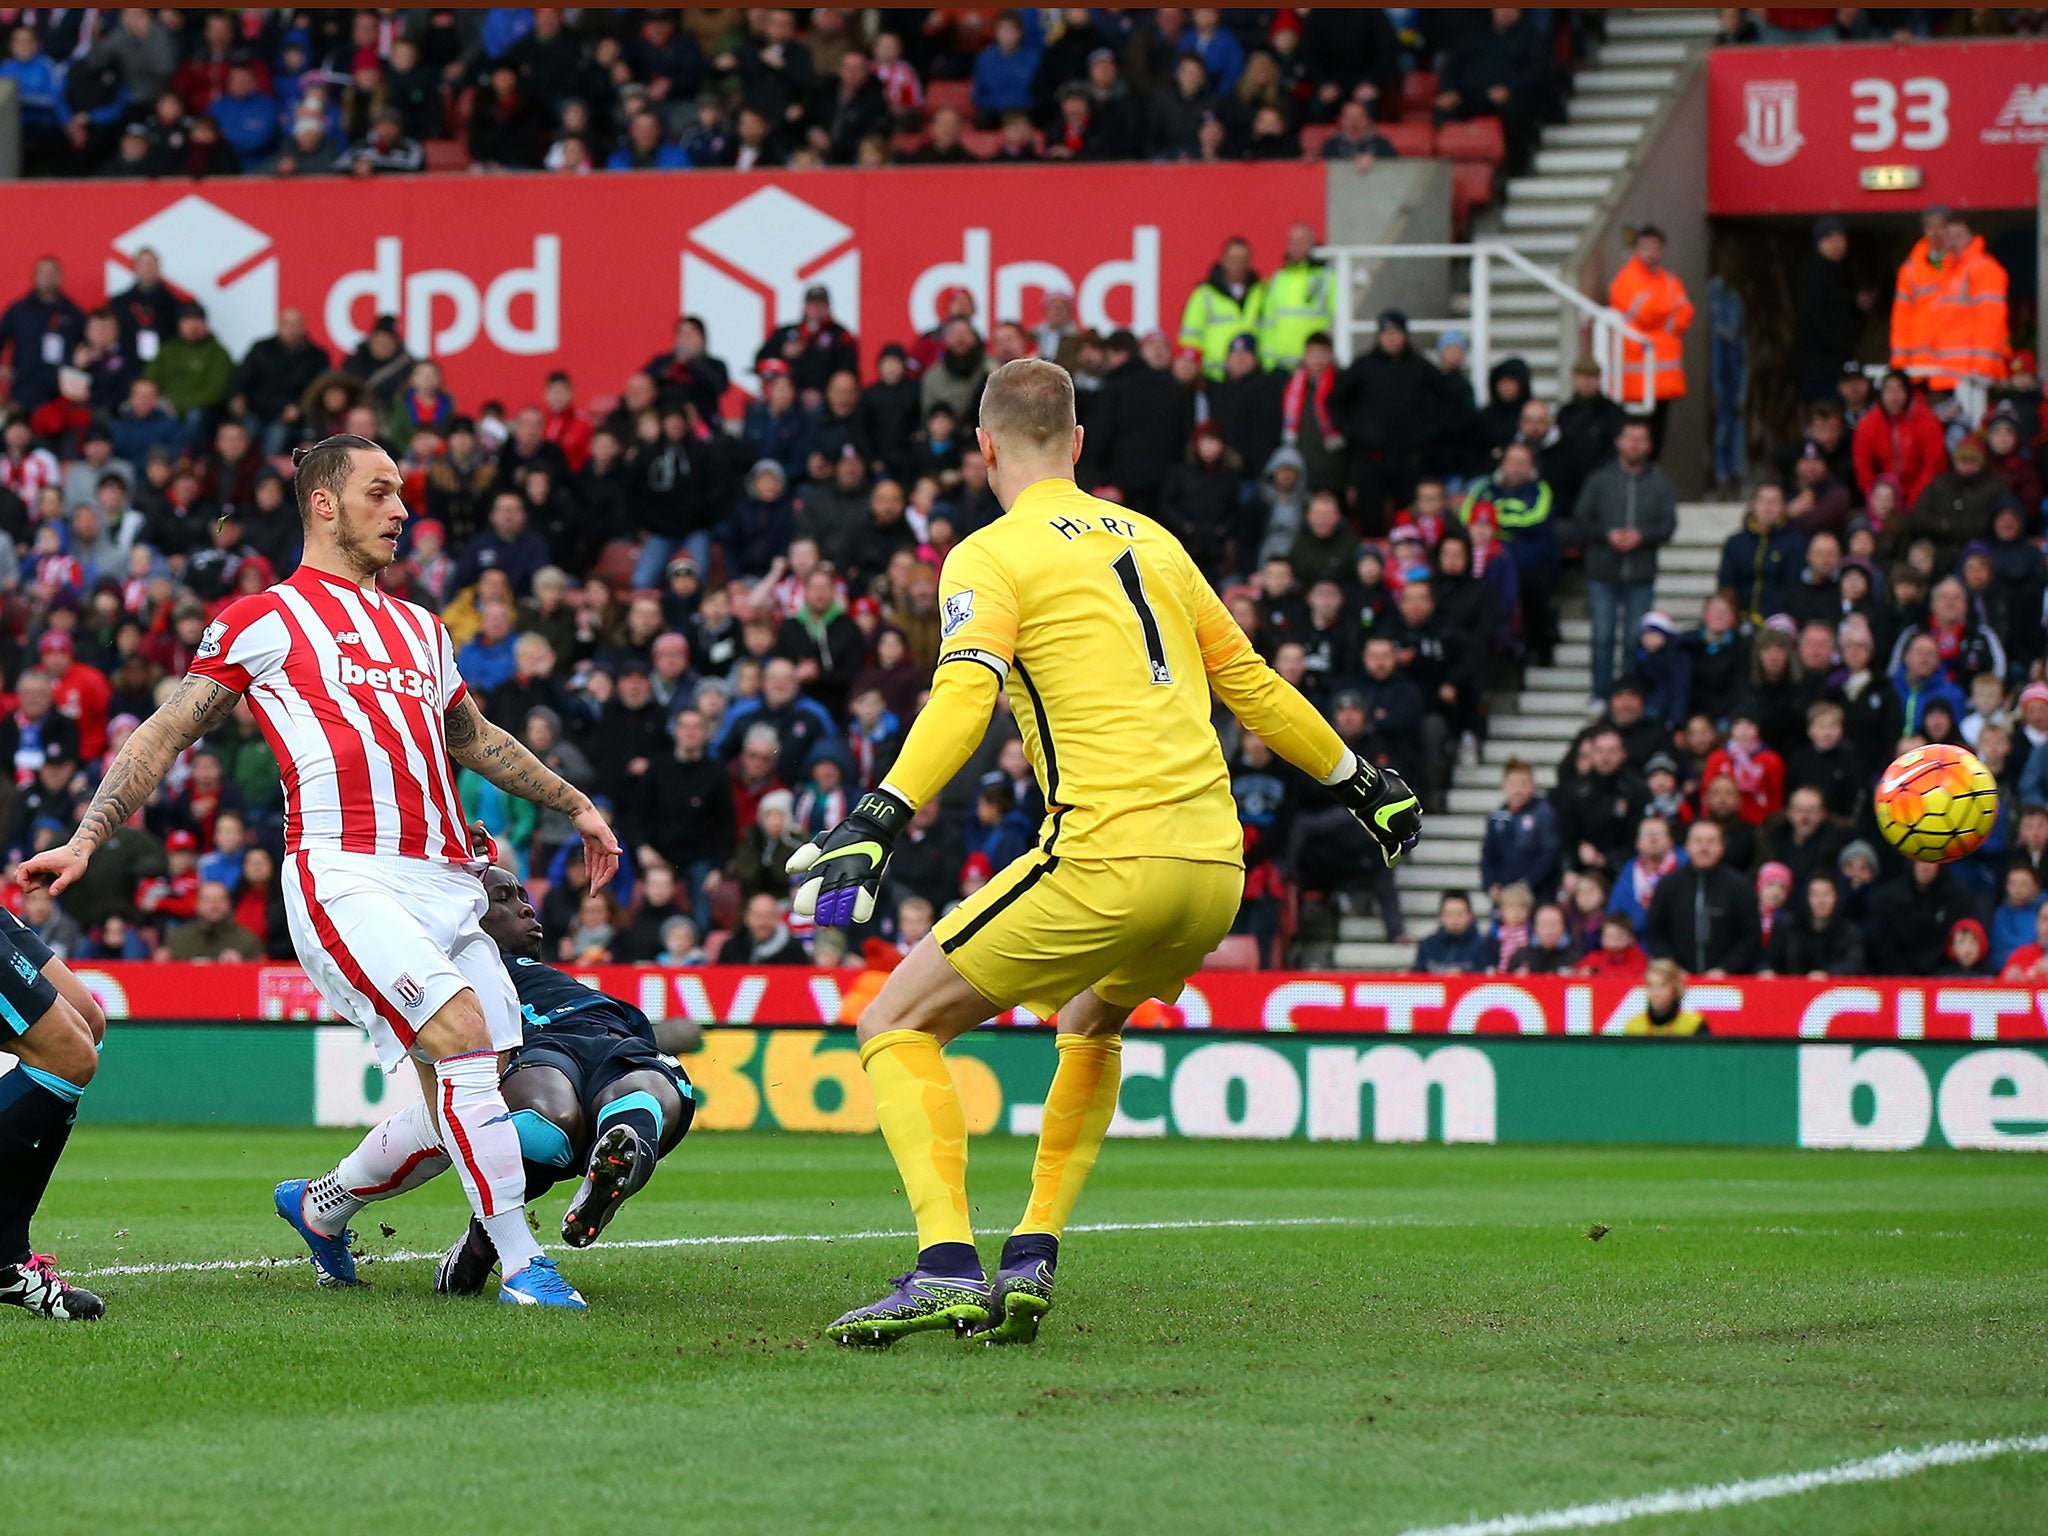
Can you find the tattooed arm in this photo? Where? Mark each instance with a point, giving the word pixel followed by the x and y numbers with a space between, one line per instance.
pixel 198 706
pixel 496 754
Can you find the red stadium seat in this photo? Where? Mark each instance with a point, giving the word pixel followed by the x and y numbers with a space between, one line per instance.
pixel 447 155
pixel 957 94
pixel 903 145
pixel 1418 91
pixel 1471 188
pixel 1237 952
pixel 981 142
pixel 1480 139
pixel 1313 137
pixel 1414 139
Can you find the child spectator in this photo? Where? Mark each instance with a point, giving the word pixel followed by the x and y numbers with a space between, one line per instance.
pixel 1758 772
pixel 1664 1011
pixel 1586 892
pixel 1969 951
pixel 1618 957
pixel 1664 669
pixel 679 946
pixel 1457 947
pixel 1521 845
pixel 1667 792
pixel 1511 909
pixel 1773 891
pixel 2014 923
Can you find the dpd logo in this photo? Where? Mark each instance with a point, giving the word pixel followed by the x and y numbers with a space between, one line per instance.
pixel 745 271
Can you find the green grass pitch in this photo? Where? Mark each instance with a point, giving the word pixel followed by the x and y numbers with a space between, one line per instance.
pixel 1457 1348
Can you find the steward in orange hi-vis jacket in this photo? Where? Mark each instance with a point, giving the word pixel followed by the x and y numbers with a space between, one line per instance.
pixel 1654 302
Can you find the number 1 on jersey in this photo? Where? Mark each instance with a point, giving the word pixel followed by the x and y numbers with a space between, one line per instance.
pixel 1126 567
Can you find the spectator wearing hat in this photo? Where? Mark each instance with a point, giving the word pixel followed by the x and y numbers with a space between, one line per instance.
pixel 1829 311
pixel 387 150
pixel 814 347
pixel 1815 500
pixel 1957 507
pixel 1524 510
pixel 53 789
pixel 760 525
pixel 78 692
pixel 2030 744
pixel 1393 407
pixel 1587 425
pixel 1626 513
pixel 1662 667
pixel 1653 301
pixel 2007 455
pixel 1828 435
pixel 174 895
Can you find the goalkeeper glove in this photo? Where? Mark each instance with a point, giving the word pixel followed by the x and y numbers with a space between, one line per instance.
pixel 1385 806
pixel 845 864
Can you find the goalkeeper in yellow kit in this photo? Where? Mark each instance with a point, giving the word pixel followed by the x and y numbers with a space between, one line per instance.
pixel 1110 641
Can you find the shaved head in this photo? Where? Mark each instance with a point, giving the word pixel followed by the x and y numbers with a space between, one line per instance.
pixel 1028 406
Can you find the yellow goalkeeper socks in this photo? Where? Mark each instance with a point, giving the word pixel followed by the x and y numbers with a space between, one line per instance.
pixel 926 1129
pixel 1078 1108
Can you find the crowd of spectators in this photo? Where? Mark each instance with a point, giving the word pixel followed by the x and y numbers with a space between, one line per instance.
pixel 719 613
pixel 1885 590
pixel 292 92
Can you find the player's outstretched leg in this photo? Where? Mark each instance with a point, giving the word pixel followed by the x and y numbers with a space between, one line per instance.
pixel 1078 1108
pixel 401 1153
pixel 478 1131
pixel 56 1058
pixel 923 1004
pixel 634 1116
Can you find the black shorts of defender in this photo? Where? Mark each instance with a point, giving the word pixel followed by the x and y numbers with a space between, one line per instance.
pixel 593 1060
pixel 26 994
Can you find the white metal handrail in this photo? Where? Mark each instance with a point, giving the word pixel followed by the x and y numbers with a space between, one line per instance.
pixel 1608 328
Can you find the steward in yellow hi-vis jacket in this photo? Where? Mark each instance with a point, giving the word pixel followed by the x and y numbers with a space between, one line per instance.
pixel 1110 643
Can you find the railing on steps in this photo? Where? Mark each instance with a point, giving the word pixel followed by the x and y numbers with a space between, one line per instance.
pixel 1604 330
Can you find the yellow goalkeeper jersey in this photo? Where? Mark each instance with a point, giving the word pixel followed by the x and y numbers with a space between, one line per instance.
pixel 1109 640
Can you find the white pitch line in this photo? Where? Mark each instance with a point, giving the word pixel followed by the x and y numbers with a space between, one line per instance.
pixel 1889 1467
pixel 408 1256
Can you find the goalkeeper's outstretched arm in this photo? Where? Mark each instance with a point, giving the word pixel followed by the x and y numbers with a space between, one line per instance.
pixel 1274 710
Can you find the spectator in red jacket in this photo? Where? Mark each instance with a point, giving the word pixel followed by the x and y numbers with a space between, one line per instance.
pixel 565 426
pixel 1619 955
pixel 1758 772
pixel 79 692
pixel 1901 438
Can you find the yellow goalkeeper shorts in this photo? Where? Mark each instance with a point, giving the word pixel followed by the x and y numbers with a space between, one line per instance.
pixel 1048 928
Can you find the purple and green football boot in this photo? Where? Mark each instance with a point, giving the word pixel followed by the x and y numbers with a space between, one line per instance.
pixel 1023 1290
pixel 945 1291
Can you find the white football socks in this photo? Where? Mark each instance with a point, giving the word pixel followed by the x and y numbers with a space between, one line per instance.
pixel 484 1145
pixel 399 1154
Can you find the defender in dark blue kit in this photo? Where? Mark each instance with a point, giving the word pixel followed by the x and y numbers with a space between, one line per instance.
pixel 587 1089
pixel 52 1028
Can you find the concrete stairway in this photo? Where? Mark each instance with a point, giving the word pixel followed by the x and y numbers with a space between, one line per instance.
pixel 1537 724
pixel 1543 214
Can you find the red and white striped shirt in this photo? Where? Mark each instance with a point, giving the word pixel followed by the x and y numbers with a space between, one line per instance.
pixel 350 687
